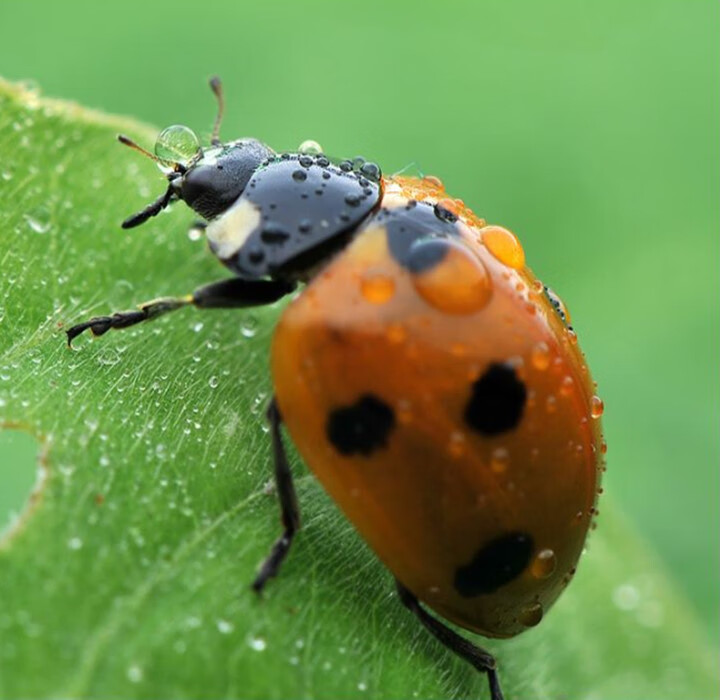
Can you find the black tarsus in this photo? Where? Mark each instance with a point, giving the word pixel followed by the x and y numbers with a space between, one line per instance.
pixel 288 502
pixel 226 294
pixel 474 655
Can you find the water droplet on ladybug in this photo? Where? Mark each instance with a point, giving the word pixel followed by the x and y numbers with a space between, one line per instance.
pixel 499 460
pixel 544 564
pixel 540 356
pixel 299 175
pixel 596 407
pixel 310 148
pixel 457 444
pixel 457 283
pixel 177 143
pixel 446 210
pixel 274 234
pixel 371 171
pixel 504 246
pixel 305 161
pixel 434 182
pixel 566 385
pixel 377 288
pixel 531 615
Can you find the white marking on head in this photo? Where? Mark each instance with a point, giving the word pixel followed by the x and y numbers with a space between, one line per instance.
pixel 229 232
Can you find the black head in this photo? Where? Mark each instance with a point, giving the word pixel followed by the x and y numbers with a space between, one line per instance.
pixel 208 179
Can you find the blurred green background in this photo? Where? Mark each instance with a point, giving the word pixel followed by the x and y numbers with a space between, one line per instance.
pixel 590 129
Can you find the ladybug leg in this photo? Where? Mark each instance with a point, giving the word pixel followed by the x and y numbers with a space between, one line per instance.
pixel 288 502
pixel 231 293
pixel 479 658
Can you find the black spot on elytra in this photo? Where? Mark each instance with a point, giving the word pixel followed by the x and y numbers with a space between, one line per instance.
pixel 497 401
pixel 497 562
pixel 361 428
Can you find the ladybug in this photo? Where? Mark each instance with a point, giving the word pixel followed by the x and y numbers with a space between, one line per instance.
pixel 430 381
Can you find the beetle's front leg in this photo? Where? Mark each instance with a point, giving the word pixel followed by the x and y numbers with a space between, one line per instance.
pixel 231 293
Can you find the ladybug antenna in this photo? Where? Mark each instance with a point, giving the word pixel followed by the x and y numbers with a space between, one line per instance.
pixel 216 87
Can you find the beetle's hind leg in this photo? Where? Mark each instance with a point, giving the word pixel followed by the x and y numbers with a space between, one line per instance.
pixel 479 658
pixel 290 512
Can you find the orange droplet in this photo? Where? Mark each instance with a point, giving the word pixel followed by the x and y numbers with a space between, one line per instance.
pixel 434 182
pixel 596 407
pixel 566 385
pixel 504 245
pixel 540 356
pixel 456 283
pixel 543 566
pixel 396 333
pixel 377 288
pixel 551 404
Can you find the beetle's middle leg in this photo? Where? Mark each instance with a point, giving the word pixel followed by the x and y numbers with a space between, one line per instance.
pixel 226 294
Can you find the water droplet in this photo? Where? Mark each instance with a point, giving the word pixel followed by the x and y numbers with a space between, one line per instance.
pixel 377 288
pixel 134 673
pixel 6 174
pixel 75 543
pixel 543 566
pixel 551 404
pixel 257 643
pixel 434 182
pixel 457 444
pixel 38 219
pixel 299 175
pixel 225 627
pixel 310 148
pixel 395 333
pixel 499 460
pixel 540 356
pixel 626 597
pixel 457 283
pixel 596 407
pixel 504 245
pixel 213 382
pixel 566 385
pixel 177 143
pixel 371 171
pixel 108 357
pixel 362 685
pixel 195 233
pixel 447 209
pixel 249 327
pixel 531 615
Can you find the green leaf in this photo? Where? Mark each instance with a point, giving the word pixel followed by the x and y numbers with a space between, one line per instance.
pixel 127 576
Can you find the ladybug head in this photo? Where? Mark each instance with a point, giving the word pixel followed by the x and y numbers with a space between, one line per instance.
pixel 208 180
